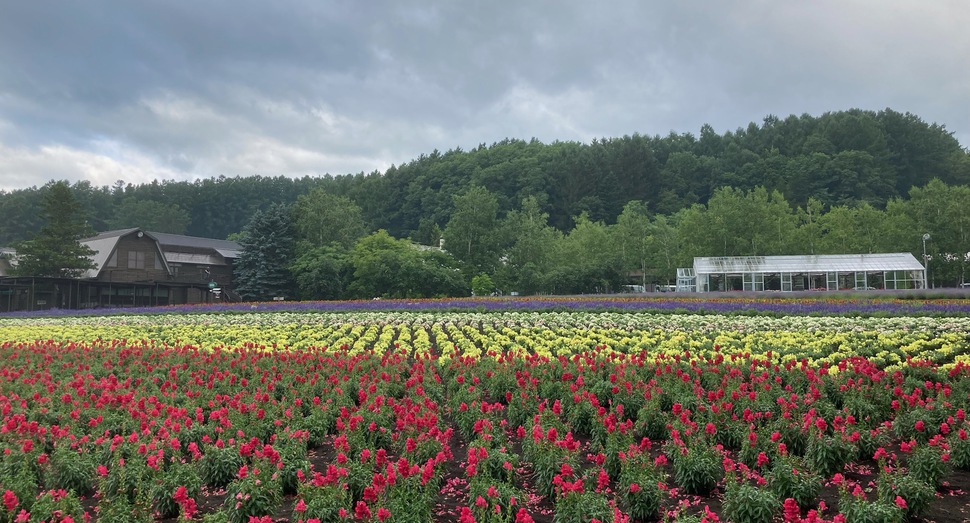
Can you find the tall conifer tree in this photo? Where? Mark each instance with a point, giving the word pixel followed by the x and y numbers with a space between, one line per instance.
pixel 56 251
pixel 262 270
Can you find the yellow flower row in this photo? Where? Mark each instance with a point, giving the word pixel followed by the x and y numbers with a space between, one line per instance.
pixel 887 341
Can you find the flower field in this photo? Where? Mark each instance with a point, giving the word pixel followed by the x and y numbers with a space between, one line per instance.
pixel 488 416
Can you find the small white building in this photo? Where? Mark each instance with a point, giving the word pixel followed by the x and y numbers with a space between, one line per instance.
pixel 830 272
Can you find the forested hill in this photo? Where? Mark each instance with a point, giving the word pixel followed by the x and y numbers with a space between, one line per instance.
pixel 838 158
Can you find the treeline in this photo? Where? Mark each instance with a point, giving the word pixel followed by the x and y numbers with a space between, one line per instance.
pixel 573 217
pixel 320 248
pixel 839 158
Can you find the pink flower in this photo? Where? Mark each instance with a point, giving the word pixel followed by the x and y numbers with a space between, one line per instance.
pixel 762 459
pixel 634 488
pixel 181 494
pixel 900 502
pixel 10 500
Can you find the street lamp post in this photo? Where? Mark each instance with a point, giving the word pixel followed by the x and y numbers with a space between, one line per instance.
pixel 925 260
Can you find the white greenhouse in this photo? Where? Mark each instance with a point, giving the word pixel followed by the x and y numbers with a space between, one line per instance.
pixel 802 273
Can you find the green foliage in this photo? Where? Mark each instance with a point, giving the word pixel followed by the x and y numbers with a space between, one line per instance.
pixel 860 510
pixel 56 250
pixel 698 470
pixel 323 273
pixel 960 452
pixel 150 215
pixel 926 464
pixel 55 505
pixel 23 483
pixel 482 285
pixel 176 475
pixel 322 502
pixel 262 270
pixel 582 507
pixel 745 503
pixel 790 478
pixel 322 219
pixel 470 235
pixel 257 494
pixel 639 486
pixel 917 493
pixel 386 267
pixel 828 454
pixel 70 470
pixel 219 466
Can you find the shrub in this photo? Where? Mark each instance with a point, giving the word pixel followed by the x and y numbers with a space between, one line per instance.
pixel 70 470
pixel 744 503
pixel 926 464
pixel 790 478
pixel 639 486
pixel 829 454
pixel 859 510
pixel 917 493
pixel 699 470
pixel 321 502
pixel 257 494
pixel 219 466
pixel 162 492
pixel 53 502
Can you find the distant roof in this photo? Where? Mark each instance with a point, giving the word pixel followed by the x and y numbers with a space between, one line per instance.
pixel 198 259
pixel 225 248
pixel 898 261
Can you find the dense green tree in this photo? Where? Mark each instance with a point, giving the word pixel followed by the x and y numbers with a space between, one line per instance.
pixel 859 229
pixel 665 248
pixel 531 247
pixel 391 268
pixel 586 261
pixel 323 273
pixel 322 218
pixel 809 232
pixel 56 251
pixel 22 212
pixel 262 270
pixel 735 223
pixel 471 233
pixel 943 212
pixel 632 239
pixel 151 216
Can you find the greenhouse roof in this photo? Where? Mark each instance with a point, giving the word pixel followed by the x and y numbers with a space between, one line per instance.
pixel 899 261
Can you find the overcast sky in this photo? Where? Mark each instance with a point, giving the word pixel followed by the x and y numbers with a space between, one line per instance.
pixel 135 91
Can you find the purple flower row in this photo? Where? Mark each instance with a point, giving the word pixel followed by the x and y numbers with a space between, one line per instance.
pixel 822 306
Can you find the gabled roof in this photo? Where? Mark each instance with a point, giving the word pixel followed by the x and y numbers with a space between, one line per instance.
pixel 225 248
pixel 817 263
pixel 103 245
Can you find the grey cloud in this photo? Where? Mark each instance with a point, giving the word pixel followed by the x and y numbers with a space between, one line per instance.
pixel 207 88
